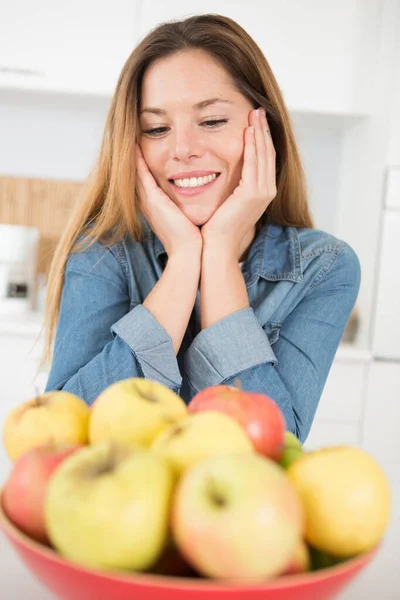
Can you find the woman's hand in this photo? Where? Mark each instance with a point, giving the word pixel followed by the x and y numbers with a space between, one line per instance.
pixel 167 221
pixel 237 216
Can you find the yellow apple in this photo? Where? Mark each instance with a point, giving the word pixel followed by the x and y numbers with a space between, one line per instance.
pixel 346 496
pixel 107 507
pixel 134 411
pixel 55 417
pixel 200 435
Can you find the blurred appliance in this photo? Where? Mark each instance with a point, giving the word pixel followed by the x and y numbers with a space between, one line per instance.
pixel 18 257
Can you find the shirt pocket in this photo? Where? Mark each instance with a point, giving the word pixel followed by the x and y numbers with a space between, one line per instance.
pixel 272 330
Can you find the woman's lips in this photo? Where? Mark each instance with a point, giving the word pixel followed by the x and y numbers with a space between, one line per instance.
pixel 188 191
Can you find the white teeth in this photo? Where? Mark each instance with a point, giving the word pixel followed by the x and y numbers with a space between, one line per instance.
pixel 194 181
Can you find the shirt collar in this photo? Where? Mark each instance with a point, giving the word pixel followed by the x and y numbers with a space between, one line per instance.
pixel 275 254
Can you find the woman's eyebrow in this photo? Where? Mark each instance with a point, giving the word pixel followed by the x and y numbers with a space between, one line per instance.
pixel 197 106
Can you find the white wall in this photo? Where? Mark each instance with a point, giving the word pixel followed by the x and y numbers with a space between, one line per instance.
pixel 49 136
pixel 393 153
pixel 320 145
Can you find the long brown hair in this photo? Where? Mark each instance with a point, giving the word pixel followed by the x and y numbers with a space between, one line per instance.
pixel 107 203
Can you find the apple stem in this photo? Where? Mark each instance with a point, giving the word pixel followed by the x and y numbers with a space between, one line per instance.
pixel 145 396
pixel 34 403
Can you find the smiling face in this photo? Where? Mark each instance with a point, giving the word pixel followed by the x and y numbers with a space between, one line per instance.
pixel 180 140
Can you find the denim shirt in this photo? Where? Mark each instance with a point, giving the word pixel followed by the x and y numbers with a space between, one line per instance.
pixel 302 285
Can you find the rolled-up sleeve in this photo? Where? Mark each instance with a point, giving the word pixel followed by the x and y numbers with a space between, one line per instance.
pixel 218 350
pixel 99 338
pixel 293 371
pixel 150 344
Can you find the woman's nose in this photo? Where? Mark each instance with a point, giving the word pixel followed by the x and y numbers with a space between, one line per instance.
pixel 185 143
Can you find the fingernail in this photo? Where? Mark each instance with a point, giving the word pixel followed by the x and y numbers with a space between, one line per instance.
pixel 258 113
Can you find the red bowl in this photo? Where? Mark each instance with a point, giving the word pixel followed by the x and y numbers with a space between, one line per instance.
pixel 70 581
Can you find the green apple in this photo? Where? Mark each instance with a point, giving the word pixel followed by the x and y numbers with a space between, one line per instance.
pixel 292 450
pixel 291 440
pixel 237 516
pixel 107 507
pixel 200 435
pixel 134 411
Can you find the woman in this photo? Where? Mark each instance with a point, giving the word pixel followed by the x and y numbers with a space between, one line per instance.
pixel 191 257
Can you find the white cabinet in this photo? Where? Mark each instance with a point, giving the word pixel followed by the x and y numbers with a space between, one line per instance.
pixel 20 355
pixel 343 395
pixel 378 410
pixel 300 41
pixel 380 431
pixel 339 416
pixel 73 47
pixel 81 46
pixel 332 434
pixel 386 327
pixel 392 195
pixel 20 378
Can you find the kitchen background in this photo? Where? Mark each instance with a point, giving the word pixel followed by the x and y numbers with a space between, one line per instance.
pixel 338 65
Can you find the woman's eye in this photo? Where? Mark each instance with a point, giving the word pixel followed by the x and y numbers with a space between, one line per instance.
pixel 155 131
pixel 215 122
pixel 210 124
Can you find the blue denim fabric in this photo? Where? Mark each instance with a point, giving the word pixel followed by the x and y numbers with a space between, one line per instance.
pixel 302 285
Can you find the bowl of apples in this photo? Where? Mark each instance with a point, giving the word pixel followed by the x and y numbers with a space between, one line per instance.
pixel 143 497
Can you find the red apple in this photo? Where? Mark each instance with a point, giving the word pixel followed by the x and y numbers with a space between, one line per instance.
pixel 25 489
pixel 237 516
pixel 257 413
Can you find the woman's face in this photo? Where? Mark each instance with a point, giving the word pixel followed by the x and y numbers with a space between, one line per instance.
pixel 176 138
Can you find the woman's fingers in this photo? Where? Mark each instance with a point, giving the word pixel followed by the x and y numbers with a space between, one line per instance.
pixel 261 150
pixel 270 161
pixel 249 169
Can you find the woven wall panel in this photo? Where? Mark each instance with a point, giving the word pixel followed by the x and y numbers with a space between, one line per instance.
pixel 39 203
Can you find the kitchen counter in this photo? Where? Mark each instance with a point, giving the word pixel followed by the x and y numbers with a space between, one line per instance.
pixel 27 323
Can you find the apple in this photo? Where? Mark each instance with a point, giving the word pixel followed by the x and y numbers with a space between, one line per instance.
pixel 301 560
pixel 256 412
pixel 292 450
pixel 237 517
pixel 198 436
pixel 53 417
pixel 25 489
pixel 108 505
pixel 134 411
pixel 346 497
